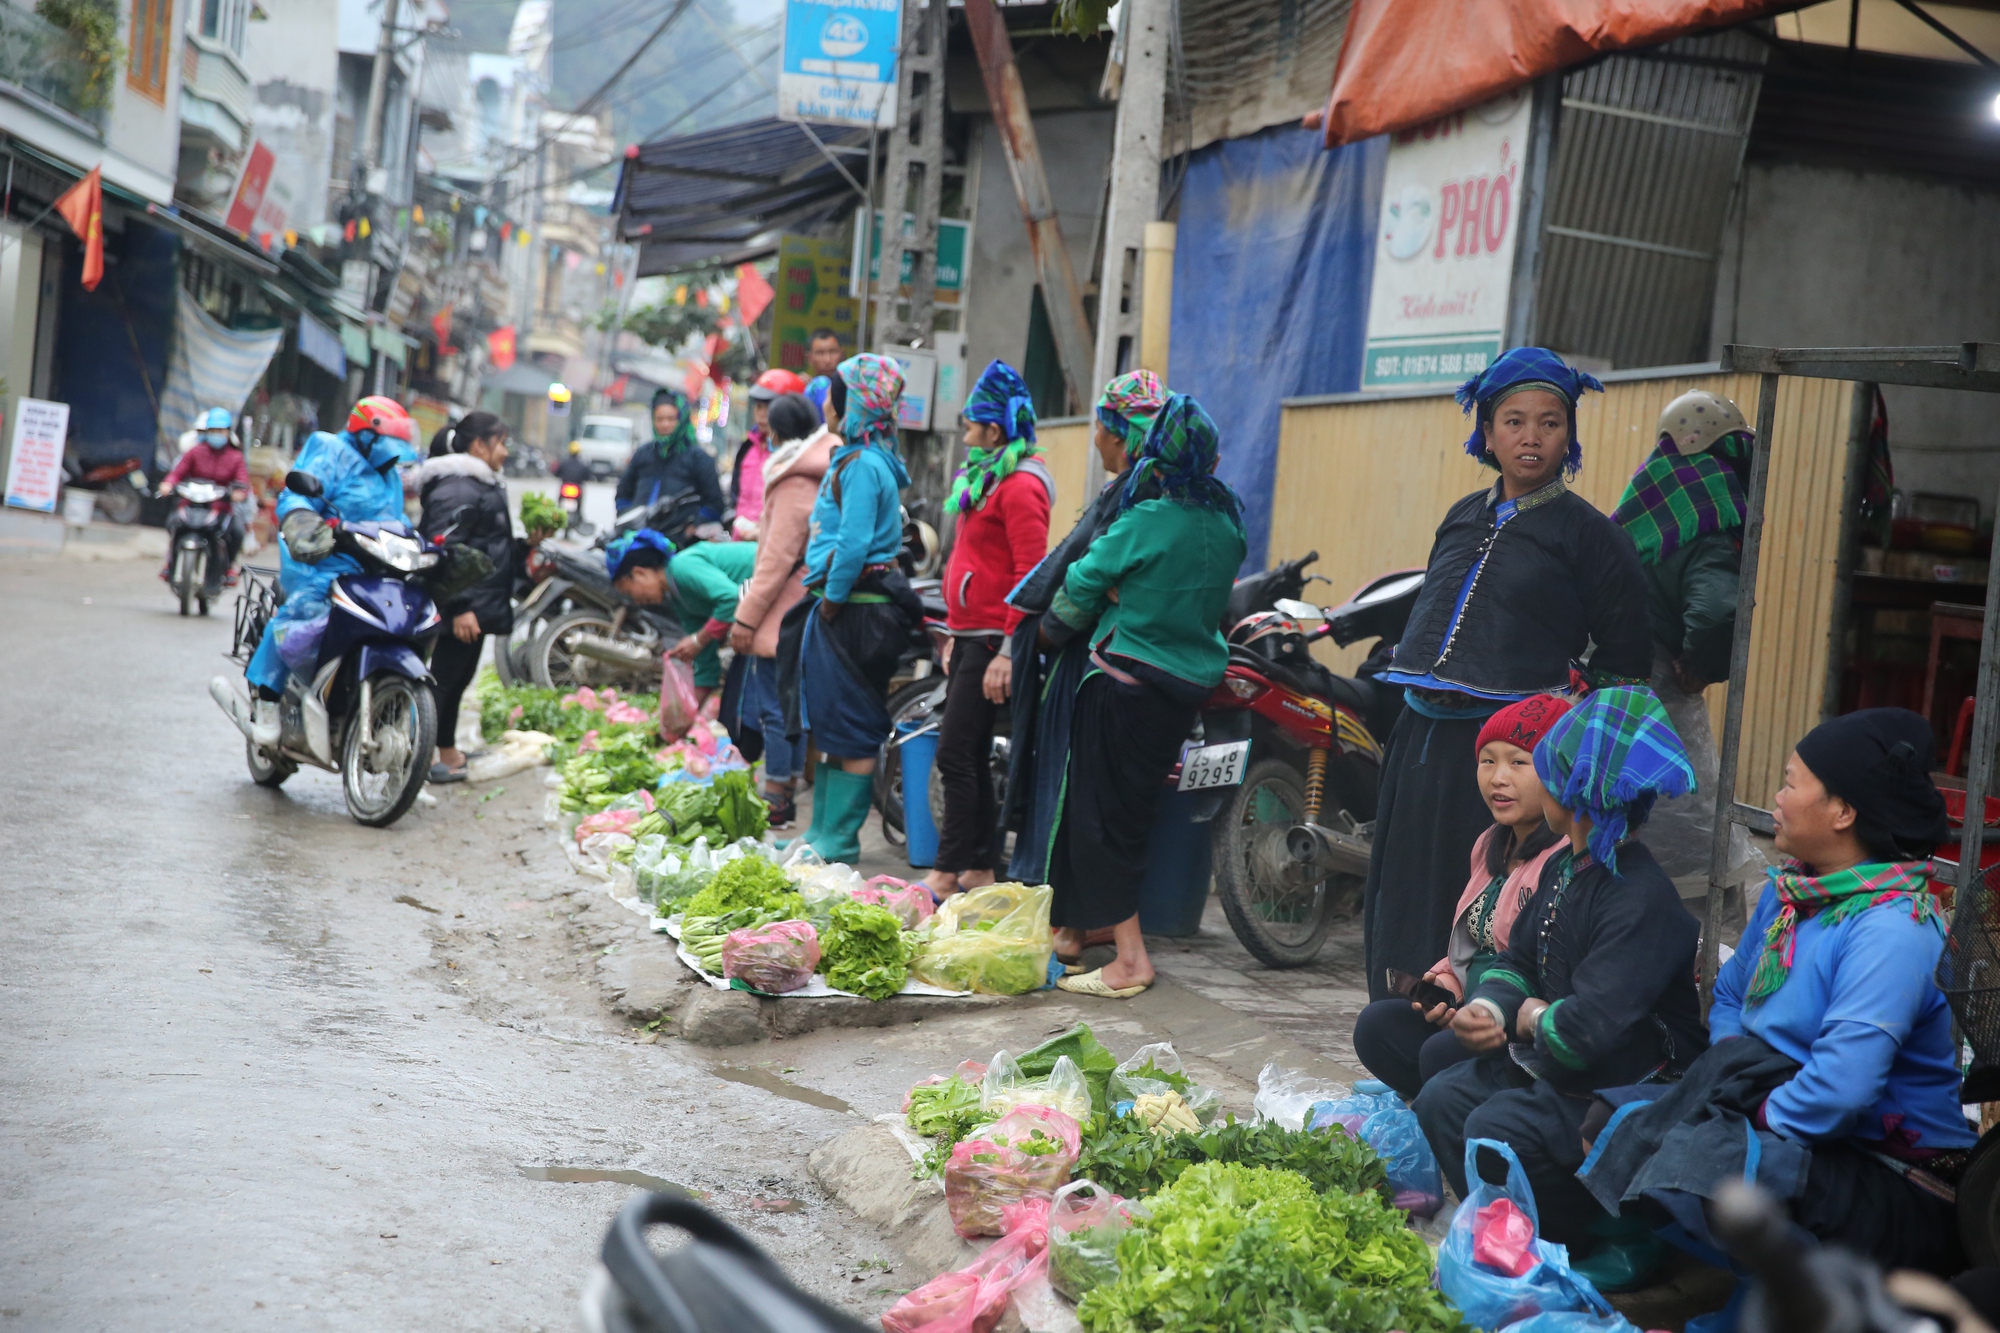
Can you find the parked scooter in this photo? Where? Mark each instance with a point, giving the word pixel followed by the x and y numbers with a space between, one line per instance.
pixel 1293 753
pixel 197 534
pixel 121 486
pixel 368 713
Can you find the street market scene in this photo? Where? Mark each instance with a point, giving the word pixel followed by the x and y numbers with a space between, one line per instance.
pixel 1174 666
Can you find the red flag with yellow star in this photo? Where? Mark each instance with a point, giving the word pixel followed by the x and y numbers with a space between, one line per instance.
pixel 82 206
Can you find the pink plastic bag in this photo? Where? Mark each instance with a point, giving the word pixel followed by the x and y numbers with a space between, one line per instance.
pixel 912 903
pixel 608 821
pixel 973 1299
pixel 1024 1155
pixel 678 706
pixel 1503 1238
pixel 774 959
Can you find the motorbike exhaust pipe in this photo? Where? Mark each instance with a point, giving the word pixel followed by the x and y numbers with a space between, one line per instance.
pixel 601 649
pixel 1328 850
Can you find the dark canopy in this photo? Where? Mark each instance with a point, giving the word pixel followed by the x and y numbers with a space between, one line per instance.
pixel 724 196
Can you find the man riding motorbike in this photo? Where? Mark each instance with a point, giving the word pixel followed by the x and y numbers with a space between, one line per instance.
pixel 214 457
pixel 358 470
pixel 573 469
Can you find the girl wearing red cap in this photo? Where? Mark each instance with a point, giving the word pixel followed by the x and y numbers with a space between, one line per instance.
pixel 1403 1042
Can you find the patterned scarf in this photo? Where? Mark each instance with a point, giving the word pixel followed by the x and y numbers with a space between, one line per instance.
pixel 683 435
pixel 874 384
pixel 1524 368
pixel 1846 894
pixel 1179 454
pixel 1128 405
pixel 1674 498
pixel 1610 758
pixel 1000 398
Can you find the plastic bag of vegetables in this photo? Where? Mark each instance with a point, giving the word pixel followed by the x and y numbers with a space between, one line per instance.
pixel 1005 1087
pixel 994 940
pixel 1153 1073
pixel 911 903
pixel 774 959
pixel 704 936
pixel 864 950
pixel 1025 1154
pixel 1086 1222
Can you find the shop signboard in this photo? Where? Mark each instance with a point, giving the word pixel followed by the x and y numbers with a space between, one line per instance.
pixel 1444 250
pixel 840 61
pixel 34 462
pixel 952 235
pixel 812 293
pixel 920 372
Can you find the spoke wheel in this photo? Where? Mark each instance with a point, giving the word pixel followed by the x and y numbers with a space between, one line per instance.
pixel 917 702
pixel 1281 910
pixel 186 571
pixel 382 775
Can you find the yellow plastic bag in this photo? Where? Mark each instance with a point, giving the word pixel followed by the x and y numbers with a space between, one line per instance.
pixel 994 940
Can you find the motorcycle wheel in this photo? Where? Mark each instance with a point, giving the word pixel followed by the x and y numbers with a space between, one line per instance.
pixel 183 579
pixel 914 702
pixel 510 655
pixel 381 780
pixel 120 502
pixel 553 666
pixel 267 770
pixel 1277 909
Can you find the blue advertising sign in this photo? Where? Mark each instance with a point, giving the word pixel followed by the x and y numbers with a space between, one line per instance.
pixel 840 61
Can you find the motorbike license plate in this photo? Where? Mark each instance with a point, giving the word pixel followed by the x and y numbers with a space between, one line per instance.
pixel 1214 765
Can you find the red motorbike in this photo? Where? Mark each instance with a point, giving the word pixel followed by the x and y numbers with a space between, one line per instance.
pixel 1293 753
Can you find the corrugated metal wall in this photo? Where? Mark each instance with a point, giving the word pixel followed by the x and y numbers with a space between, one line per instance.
pixel 1647 155
pixel 1365 482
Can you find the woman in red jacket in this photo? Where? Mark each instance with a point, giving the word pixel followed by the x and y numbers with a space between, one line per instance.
pixel 1002 498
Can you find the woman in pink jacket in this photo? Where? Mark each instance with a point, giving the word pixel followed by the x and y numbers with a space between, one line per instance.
pixel 791 482
pixel 1404 1042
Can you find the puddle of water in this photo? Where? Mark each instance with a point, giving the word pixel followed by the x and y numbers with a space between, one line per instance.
pixel 771 1083
pixel 581 1175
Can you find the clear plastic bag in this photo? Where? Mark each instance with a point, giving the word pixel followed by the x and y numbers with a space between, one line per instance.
pixel 1492 1297
pixel 1026 1154
pixel 1086 1222
pixel 1005 1087
pixel 679 708
pixel 774 959
pixel 1155 1071
pixel 1376 1115
pixel 912 903
pixel 994 940
pixel 1287 1096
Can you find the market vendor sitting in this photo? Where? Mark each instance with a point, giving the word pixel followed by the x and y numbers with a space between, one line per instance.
pixel 1834 1080
pixel 1596 986
pixel 701 584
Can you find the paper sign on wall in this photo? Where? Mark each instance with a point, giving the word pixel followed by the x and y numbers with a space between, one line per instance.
pixel 34 463
pixel 1444 250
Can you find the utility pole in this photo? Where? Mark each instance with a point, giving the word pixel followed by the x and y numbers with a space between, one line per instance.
pixel 378 96
pixel 916 148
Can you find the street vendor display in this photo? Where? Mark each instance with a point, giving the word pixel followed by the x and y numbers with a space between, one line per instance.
pixel 1521 578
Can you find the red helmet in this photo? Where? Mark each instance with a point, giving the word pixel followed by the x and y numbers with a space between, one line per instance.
pixel 774 383
pixel 384 416
pixel 1274 636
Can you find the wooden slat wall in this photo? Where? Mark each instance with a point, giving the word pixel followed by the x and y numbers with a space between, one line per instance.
pixel 1365 483
pixel 1066 450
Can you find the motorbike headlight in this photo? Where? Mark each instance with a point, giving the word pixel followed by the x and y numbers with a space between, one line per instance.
pixel 398 553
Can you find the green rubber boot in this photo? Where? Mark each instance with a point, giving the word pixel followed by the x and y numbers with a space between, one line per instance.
pixel 812 829
pixel 840 805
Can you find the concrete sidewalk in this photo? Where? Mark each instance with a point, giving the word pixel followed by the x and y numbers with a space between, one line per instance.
pixel 44 536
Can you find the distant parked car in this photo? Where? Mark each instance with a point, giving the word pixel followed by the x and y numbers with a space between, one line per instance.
pixel 607 445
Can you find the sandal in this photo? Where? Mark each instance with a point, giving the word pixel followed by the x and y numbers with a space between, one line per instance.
pixel 441 774
pixel 1092 983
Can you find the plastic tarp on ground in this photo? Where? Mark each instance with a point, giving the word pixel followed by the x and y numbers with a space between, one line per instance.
pixel 1405 62
pixel 1271 271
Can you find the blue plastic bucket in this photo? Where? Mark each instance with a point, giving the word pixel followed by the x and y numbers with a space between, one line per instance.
pixel 1179 865
pixel 917 754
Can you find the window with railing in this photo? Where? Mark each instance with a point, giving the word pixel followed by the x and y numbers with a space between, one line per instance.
pixel 71 66
pixel 223 20
pixel 152 39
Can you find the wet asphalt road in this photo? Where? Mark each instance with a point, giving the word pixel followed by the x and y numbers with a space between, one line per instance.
pixel 247 1087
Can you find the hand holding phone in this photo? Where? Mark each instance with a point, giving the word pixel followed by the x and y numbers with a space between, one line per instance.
pixel 1420 991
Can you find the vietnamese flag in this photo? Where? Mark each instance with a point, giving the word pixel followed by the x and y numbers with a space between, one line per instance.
pixel 753 294
pixel 82 206
pixel 500 345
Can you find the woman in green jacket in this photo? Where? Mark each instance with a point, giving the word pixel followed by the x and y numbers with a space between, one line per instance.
pixel 1152 590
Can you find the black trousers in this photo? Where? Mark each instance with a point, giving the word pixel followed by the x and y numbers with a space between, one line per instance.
pixel 1491 1097
pixel 453 664
pixel 1400 1046
pixel 970 836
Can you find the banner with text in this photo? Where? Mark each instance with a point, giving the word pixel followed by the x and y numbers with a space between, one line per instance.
pixel 1444 250
pixel 840 61
pixel 34 464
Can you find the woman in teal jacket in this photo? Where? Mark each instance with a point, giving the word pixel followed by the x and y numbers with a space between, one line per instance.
pixel 1152 591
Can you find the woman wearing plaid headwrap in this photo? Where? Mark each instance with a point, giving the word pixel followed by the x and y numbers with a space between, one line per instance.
pixel 1001 498
pixel 1147 598
pixel 1596 988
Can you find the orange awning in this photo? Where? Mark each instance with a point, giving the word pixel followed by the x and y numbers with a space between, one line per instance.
pixel 1405 62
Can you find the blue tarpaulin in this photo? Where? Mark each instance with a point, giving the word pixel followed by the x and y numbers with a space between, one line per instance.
pixel 1271 272
pixel 111 344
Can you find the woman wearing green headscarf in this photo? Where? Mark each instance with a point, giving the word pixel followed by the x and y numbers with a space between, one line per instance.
pixel 1148 598
pixel 671 463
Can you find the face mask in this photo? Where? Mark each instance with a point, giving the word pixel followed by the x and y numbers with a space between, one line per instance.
pixel 215 439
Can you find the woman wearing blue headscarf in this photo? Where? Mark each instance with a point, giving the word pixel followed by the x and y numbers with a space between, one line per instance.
pixel 1523 576
pixel 1001 501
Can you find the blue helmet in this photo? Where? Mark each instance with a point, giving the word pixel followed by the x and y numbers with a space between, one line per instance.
pixel 635 550
pixel 216 418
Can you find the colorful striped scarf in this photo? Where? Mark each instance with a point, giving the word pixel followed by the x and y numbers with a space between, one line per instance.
pixel 1179 455
pixel 1128 405
pixel 1610 758
pixel 1674 498
pixel 1846 894
pixel 874 384
pixel 1524 368
pixel 1000 398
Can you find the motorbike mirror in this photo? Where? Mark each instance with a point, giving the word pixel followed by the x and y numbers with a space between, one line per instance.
pixel 1298 610
pixel 304 483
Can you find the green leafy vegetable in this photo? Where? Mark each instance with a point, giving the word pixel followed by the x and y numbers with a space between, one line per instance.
pixel 1081 1045
pixel 1127 1158
pixel 704 935
pixel 542 513
pixel 1232 1248
pixel 862 950
pixel 526 708
pixel 748 881
pixel 722 811
pixel 623 763
pixel 937 1108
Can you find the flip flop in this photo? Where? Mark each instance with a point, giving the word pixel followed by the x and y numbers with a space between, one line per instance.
pixel 1092 983
pixel 441 774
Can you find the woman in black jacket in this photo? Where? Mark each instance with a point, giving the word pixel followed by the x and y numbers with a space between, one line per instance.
pixel 462 491
pixel 1523 576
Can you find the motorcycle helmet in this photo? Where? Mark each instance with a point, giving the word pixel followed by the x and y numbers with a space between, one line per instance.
pixel 1696 420
pixel 1273 636
pixel 775 383
pixel 384 416
pixel 213 426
